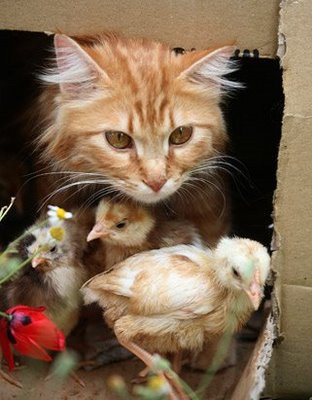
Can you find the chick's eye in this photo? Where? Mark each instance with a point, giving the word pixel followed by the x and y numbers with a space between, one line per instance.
pixel 181 135
pixel 118 140
pixel 235 273
pixel 121 224
pixel 53 249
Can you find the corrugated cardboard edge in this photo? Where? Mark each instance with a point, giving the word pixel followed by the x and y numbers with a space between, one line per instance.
pixel 188 23
pixel 252 381
pixel 289 372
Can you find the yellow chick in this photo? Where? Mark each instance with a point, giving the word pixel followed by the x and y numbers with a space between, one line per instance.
pixel 126 228
pixel 177 298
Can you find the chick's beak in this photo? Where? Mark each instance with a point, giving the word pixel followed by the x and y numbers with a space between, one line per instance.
pixel 254 291
pixel 37 261
pixel 97 231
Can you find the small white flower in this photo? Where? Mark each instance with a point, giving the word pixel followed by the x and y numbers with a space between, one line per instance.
pixel 57 214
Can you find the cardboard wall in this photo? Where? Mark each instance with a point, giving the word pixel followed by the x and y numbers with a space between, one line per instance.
pixel 189 23
pixel 291 367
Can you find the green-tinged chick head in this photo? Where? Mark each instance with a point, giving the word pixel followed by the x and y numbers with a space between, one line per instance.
pixel 243 264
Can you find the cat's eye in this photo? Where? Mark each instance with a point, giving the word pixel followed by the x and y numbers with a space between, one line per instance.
pixel 181 135
pixel 118 139
pixel 121 224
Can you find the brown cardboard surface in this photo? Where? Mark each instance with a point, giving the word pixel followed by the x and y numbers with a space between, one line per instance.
pixel 249 24
pixel 291 367
pixel 252 380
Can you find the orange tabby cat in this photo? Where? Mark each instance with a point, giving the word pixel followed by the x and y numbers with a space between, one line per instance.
pixel 130 116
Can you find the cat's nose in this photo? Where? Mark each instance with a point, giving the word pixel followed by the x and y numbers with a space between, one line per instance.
pixel 155 184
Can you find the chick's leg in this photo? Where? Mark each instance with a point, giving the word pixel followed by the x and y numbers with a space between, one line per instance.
pixel 177 362
pixel 147 358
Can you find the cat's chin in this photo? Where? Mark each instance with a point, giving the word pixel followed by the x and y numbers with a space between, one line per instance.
pixel 148 196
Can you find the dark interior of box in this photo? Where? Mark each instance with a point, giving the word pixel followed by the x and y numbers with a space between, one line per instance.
pixel 253 116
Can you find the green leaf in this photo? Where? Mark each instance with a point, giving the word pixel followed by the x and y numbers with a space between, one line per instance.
pixel 8 267
pixel 64 364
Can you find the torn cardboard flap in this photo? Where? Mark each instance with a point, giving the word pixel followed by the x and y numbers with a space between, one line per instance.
pixel 296 27
pixel 290 369
pixel 293 207
pixel 252 381
pixel 249 24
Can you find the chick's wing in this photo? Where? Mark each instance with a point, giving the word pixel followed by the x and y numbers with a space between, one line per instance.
pixel 172 281
pixel 178 288
pixel 168 281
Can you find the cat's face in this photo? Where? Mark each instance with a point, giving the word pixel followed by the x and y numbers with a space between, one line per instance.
pixel 135 114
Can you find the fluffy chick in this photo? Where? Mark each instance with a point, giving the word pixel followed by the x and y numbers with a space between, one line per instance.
pixel 177 298
pixel 126 228
pixel 54 275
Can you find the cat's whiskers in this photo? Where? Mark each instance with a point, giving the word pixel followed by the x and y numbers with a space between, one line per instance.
pixel 204 182
pixel 220 163
pixel 202 190
pixel 83 183
pixel 240 176
pixel 190 189
pixel 99 194
pixel 186 194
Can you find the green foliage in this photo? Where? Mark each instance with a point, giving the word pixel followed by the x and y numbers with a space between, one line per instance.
pixel 8 267
pixel 10 263
pixel 64 364
pixel 157 388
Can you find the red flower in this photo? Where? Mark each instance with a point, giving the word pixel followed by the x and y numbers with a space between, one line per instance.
pixel 29 331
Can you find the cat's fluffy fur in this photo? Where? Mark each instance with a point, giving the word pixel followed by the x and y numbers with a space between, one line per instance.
pixel 143 89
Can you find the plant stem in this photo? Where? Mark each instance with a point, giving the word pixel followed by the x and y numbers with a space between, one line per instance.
pixel 11 245
pixel 217 360
pixel 4 210
pixel 188 390
pixel 6 278
pixel 5 315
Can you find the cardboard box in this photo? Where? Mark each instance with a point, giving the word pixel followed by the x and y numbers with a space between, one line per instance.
pixel 190 23
pixel 290 370
pixel 290 364
pixel 252 24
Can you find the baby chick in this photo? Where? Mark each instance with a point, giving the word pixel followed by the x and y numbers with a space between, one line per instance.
pixel 177 298
pixel 54 275
pixel 127 228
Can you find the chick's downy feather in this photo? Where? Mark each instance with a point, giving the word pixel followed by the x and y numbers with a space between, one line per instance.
pixel 54 276
pixel 126 228
pixel 176 298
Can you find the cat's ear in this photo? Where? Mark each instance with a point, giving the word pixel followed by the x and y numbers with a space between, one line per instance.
pixel 76 72
pixel 210 70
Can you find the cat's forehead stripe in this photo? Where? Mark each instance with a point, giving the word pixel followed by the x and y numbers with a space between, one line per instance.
pixel 138 108
pixel 130 122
